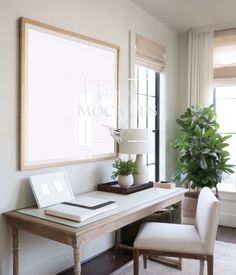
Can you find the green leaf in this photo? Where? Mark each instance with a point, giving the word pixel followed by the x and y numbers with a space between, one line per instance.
pixel 224 138
pixel 203 164
pixel 181 123
pixel 197 131
pixel 206 151
pixel 223 145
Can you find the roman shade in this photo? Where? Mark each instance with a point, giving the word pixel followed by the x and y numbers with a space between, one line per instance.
pixel 149 54
pixel 224 57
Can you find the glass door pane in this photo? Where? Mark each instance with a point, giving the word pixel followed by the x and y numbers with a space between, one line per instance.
pixel 147 93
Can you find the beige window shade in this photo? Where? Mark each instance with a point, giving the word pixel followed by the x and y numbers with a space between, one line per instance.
pixel 149 53
pixel 224 56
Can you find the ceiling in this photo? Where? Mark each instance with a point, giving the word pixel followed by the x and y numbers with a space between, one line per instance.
pixel 181 15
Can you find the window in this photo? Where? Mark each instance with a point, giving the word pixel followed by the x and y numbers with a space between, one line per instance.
pixel 150 62
pixel 225 106
pixel 224 96
pixel 147 102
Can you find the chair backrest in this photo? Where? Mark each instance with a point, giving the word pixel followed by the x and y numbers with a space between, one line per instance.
pixel 207 218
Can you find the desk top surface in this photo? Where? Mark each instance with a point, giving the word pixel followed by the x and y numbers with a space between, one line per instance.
pixel 125 203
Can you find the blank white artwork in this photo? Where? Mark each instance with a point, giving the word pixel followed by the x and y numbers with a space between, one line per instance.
pixel 71 92
pixel 59 186
pixel 45 189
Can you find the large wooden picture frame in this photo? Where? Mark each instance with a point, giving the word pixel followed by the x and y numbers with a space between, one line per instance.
pixel 68 97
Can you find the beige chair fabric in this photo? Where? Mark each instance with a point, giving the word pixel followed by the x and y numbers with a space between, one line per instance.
pixel 207 218
pixel 169 237
pixel 180 240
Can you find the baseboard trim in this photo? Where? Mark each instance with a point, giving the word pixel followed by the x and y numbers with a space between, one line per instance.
pixel 227 220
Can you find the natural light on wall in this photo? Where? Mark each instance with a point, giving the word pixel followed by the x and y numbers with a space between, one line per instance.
pixel 224 96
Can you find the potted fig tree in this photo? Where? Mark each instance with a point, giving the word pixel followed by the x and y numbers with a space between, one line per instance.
pixel 202 154
pixel 125 169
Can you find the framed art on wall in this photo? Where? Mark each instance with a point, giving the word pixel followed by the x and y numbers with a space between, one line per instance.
pixel 68 94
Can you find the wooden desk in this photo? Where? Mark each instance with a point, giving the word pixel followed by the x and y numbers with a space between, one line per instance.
pixel 131 208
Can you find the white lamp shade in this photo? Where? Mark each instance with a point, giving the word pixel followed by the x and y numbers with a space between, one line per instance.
pixel 136 141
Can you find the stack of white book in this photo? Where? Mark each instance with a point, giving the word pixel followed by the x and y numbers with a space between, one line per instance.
pixel 80 209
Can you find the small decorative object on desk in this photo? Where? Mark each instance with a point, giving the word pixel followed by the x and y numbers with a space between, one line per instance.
pixel 114 187
pixel 164 184
pixel 80 209
pixel 125 169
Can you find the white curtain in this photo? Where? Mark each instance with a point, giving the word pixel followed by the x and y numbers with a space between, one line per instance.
pixel 200 66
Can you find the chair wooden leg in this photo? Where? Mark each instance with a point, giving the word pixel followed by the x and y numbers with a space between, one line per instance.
pixel 210 260
pixel 145 261
pixel 201 267
pixel 179 264
pixel 136 262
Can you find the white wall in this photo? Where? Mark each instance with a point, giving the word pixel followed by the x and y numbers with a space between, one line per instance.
pixel 228 205
pixel 107 20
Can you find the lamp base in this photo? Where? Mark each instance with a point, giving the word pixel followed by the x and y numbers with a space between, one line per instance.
pixel 143 174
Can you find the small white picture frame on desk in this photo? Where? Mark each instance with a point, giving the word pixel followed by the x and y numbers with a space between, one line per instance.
pixel 50 189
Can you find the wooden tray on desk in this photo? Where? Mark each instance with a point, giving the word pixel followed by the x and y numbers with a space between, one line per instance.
pixel 114 187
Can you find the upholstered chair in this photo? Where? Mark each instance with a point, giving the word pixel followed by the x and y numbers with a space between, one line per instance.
pixel 182 240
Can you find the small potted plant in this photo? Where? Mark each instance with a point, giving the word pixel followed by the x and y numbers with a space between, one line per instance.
pixel 125 169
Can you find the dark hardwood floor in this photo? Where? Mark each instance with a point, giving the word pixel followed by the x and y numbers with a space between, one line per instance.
pixel 112 260
pixel 226 234
pixel 104 264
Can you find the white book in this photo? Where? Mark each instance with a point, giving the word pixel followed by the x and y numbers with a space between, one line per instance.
pixel 81 209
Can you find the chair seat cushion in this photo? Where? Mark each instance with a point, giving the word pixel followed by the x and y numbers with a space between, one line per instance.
pixel 169 237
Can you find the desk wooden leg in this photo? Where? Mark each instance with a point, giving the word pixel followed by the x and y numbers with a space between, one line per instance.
pixel 77 265
pixel 15 245
pixel 117 238
pixel 180 209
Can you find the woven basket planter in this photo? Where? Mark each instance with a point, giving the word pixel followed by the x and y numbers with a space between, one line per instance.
pixel 190 207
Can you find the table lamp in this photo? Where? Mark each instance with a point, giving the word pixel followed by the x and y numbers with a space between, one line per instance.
pixel 139 142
